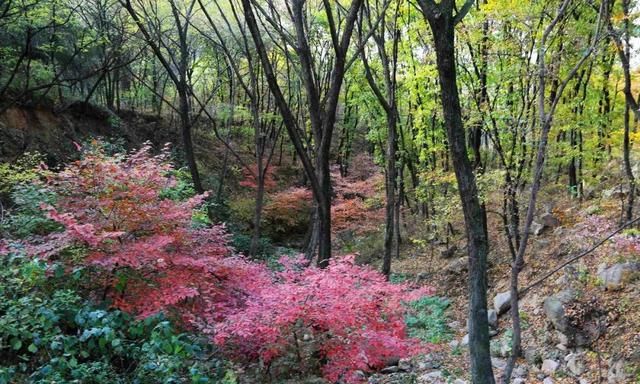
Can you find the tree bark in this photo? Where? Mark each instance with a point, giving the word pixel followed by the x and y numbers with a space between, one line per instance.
pixel 442 22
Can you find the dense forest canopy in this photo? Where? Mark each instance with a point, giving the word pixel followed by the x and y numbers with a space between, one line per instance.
pixel 315 143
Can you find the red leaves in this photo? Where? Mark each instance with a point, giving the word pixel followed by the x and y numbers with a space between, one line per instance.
pixel 141 247
pixel 352 312
pixel 144 254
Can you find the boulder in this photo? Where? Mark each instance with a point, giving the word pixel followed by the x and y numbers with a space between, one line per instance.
pixel 575 363
pixel 618 275
pixel 616 373
pixel 536 228
pixel 449 252
pixel 457 266
pixel 619 192
pixel 554 309
pixel 502 302
pixel 492 316
pixel 498 363
pixel 549 366
pixel 549 220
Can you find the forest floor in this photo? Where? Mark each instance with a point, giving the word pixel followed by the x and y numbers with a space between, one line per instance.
pixel 608 317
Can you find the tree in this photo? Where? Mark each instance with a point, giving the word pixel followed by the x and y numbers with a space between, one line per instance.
pixel 322 103
pixel 388 101
pixel 149 24
pixel 442 19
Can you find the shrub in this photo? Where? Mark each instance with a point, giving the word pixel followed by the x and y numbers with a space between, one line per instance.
pixel 351 314
pixel 49 334
pixel 26 218
pixel 143 253
pixel 287 213
pixel 427 319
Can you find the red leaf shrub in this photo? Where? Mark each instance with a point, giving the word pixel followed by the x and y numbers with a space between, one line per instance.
pixel 354 316
pixel 145 254
pixel 146 257
pixel 287 213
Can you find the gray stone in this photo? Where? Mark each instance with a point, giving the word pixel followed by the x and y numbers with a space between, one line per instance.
pixel 519 380
pixel 549 220
pixel 498 363
pixel 493 332
pixel 616 373
pixel 618 275
pixel 388 370
pixel 457 266
pixel 531 356
pixel 465 340
pixel 616 192
pixel 430 377
pixel 547 380
pixel 454 344
pixel 554 309
pixel 404 364
pixel 536 228
pixel 575 363
pixel 492 316
pixel 502 302
pixel 520 371
pixel 549 366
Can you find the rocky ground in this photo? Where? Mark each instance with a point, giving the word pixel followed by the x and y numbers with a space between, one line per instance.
pixel 581 325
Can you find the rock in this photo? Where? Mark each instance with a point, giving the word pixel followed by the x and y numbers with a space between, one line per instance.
pixel 616 373
pixel 449 252
pixel 404 364
pixel 388 370
pixel 465 340
pixel 583 381
pixel 519 380
pixel 554 309
pixel 430 377
pixel 498 363
pixel 536 228
pixel 618 275
pixel 460 381
pixel 502 302
pixel 493 332
pixel 454 344
pixel 454 324
pixel 575 364
pixel 520 371
pixel 532 356
pixel 549 366
pixel 547 380
pixel 457 266
pixel 618 192
pixel 562 347
pixel 492 316
pixel 549 220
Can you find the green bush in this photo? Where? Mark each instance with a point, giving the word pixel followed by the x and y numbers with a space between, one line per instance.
pixel 427 319
pixel 26 217
pixel 51 334
pixel 242 244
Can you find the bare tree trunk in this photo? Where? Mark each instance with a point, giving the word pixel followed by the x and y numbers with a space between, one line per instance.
pixel 442 22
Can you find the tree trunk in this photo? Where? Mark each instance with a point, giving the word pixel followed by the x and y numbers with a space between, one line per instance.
pixel 443 28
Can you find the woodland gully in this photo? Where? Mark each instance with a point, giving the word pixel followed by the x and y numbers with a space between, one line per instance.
pixel 322 152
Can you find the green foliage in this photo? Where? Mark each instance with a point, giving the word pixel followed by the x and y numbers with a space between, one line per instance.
pixel 241 211
pixel 24 170
pixel 427 319
pixel 242 244
pixel 26 217
pixel 50 334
